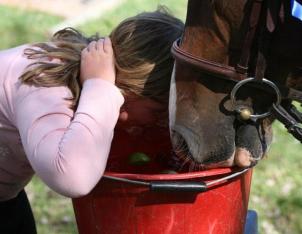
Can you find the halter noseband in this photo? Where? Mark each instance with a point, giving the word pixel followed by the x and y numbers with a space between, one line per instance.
pixel 288 114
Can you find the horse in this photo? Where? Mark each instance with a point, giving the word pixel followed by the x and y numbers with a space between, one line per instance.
pixel 212 97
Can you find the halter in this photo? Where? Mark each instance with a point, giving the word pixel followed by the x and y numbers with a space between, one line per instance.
pixel 287 114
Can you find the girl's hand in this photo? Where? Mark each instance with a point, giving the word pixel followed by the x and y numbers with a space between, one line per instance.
pixel 97 61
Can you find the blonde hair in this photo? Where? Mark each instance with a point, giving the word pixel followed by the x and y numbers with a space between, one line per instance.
pixel 142 51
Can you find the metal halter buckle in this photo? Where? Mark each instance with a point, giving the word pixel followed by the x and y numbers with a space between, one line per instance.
pixel 244 112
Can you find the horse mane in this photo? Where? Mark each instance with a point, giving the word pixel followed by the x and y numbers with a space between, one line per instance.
pixel 295 79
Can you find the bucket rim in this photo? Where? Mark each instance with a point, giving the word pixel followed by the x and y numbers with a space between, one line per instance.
pixel 179 176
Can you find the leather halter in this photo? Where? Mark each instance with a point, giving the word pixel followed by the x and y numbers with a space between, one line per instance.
pixel 286 114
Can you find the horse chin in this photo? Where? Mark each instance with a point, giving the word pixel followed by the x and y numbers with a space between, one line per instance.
pixel 253 141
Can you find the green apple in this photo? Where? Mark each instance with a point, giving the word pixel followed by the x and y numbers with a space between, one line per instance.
pixel 139 159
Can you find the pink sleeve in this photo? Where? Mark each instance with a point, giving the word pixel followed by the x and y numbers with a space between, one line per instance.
pixel 67 150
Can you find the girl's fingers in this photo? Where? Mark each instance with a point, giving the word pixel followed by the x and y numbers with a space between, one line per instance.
pixel 108 45
pixel 103 44
pixel 84 52
pixel 92 46
pixel 100 44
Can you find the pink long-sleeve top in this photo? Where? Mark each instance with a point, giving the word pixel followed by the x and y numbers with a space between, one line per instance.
pixel 40 134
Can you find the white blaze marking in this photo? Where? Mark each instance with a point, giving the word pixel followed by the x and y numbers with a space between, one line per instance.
pixel 172 101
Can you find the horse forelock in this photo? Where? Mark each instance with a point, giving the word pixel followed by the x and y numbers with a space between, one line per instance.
pixel 223 4
pixel 220 3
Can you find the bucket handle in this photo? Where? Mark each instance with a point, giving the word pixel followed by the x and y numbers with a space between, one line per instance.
pixel 177 186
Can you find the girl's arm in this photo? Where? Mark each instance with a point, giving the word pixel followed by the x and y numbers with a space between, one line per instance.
pixel 69 150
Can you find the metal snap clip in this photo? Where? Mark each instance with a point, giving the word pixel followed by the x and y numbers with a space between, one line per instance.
pixel 245 113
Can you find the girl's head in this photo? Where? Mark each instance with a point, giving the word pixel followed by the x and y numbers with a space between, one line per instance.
pixel 142 51
pixel 142 46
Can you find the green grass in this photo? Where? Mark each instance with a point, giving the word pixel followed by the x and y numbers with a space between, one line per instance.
pixel 276 188
pixel 53 213
pixel 18 26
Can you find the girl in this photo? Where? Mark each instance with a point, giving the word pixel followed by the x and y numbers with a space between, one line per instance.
pixel 59 104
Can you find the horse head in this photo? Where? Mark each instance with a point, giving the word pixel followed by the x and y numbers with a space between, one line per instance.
pixel 205 129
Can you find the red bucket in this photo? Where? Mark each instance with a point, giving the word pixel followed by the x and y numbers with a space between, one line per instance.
pixel 115 207
pixel 121 208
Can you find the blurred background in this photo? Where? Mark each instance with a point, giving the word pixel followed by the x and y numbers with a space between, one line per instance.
pixel 276 192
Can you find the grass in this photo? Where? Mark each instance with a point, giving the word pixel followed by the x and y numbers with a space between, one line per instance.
pixel 18 26
pixel 53 213
pixel 276 188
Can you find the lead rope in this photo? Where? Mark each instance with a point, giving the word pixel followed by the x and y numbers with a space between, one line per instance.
pixel 290 118
pixel 286 113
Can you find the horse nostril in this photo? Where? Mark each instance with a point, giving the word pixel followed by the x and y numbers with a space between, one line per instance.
pixel 243 158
